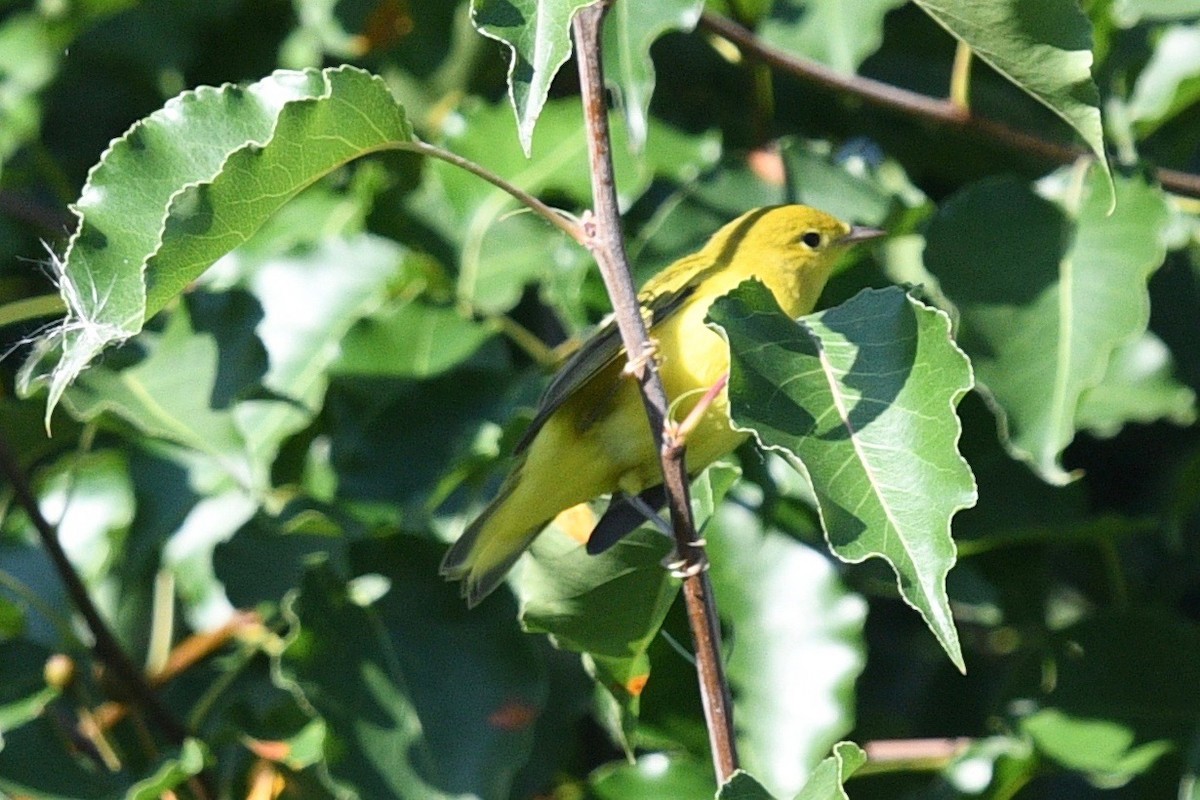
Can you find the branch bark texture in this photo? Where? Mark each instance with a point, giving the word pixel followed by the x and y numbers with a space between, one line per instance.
pixel 607 245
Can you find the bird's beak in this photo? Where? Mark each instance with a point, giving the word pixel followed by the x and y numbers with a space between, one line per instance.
pixel 861 233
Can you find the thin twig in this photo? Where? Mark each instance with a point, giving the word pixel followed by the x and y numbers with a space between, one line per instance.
pixel 105 644
pixel 553 216
pixel 608 247
pixel 943 112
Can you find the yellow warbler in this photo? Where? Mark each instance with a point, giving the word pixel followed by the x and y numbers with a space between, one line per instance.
pixel 589 436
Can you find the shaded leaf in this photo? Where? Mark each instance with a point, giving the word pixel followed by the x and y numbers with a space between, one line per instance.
pixel 1046 295
pixel 377 674
pixel 654 776
pixel 629 30
pixel 414 340
pixel 1102 717
pixel 861 399
pixel 499 252
pixel 837 33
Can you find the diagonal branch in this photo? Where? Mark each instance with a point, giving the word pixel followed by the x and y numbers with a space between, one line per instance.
pixel 608 248
pixel 942 112
pixel 105 645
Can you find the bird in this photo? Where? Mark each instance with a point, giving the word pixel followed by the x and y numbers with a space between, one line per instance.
pixel 589 437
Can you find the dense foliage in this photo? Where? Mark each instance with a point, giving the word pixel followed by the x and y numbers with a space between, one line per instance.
pixel 283 351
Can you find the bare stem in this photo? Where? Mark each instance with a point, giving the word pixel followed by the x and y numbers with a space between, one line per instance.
pixel 608 247
pixel 943 112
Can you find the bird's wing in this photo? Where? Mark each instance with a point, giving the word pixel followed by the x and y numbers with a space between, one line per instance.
pixel 601 349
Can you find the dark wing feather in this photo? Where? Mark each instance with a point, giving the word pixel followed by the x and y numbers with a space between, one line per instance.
pixel 601 349
pixel 622 518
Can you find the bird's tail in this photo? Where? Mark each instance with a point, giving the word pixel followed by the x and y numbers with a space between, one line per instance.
pixel 488 548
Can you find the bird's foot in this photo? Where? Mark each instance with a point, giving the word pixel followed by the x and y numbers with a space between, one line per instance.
pixel 636 366
pixel 684 568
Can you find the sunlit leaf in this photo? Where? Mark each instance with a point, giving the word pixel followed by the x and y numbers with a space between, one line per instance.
pixel 1170 82
pixel 826 782
pixel 1138 386
pixel 799 646
pixel 192 181
pixel 537 32
pixel 1042 46
pixel 861 399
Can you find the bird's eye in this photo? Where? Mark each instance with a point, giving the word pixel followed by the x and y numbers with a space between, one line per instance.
pixel 812 239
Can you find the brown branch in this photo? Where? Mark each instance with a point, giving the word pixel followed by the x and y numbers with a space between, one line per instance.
pixel 942 112
pixel 894 755
pixel 105 645
pixel 608 248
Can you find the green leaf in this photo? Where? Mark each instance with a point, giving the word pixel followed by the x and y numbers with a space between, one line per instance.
pixel 629 30
pixel 837 33
pixel 819 181
pixel 861 399
pixel 654 776
pixel 173 771
pixel 799 646
pixel 414 340
pixel 1102 716
pixel 1129 12
pixel 192 181
pixel 1137 387
pixel 609 607
pixel 830 775
pixel 1042 46
pixel 1170 82
pixel 34 764
pixel 1046 303
pixel 29 60
pixel 307 300
pixel 1103 749
pixel 742 786
pixel 538 32
pixel 420 698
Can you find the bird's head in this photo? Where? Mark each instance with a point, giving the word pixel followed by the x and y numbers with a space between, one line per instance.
pixel 791 248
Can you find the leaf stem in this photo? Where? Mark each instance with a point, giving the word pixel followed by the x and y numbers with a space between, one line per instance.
pixel 554 216
pixel 605 241
pixel 960 77
pixel 944 112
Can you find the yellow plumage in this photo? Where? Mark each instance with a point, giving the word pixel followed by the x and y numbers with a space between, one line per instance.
pixel 590 436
